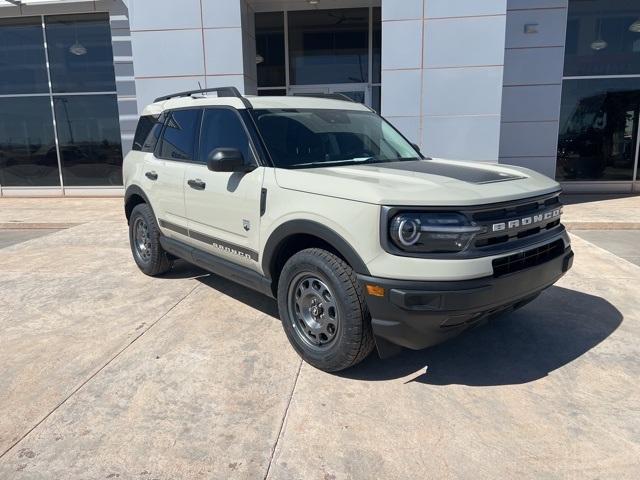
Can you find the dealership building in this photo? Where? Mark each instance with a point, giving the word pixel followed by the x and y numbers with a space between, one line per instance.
pixel 552 85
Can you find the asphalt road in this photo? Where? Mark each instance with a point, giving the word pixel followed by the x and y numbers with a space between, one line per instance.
pixel 107 373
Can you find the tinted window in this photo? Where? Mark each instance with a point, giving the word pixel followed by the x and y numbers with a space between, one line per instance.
pixel 603 38
pixel 329 46
pixel 80 53
pixel 179 135
pixel 89 139
pixel 270 49
pixel 22 58
pixel 27 147
pixel 598 129
pixel 147 133
pixel 221 128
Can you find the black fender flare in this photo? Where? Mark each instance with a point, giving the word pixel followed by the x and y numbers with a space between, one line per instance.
pixel 135 190
pixel 309 227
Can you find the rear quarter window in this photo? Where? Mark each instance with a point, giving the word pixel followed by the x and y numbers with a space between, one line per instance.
pixel 147 133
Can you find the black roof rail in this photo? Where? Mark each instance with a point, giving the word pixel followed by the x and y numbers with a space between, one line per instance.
pixel 221 91
pixel 333 96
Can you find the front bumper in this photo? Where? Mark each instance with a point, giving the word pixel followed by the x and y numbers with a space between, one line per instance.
pixel 419 314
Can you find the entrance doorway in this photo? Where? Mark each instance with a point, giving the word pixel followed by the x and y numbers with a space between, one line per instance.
pixel 320 51
pixel 357 92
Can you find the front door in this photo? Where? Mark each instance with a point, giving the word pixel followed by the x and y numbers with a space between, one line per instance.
pixel 223 208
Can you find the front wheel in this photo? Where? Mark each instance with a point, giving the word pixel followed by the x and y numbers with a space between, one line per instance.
pixel 323 311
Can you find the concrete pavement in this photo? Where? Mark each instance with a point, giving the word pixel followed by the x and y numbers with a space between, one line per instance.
pixel 107 373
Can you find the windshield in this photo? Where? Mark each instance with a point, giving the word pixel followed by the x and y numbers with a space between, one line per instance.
pixel 307 138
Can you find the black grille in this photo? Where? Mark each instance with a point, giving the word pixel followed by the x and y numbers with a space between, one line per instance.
pixel 530 258
pixel 513 212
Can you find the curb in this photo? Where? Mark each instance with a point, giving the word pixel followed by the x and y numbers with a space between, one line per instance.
pixel 602 225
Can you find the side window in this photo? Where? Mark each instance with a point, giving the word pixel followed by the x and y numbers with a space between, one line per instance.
pixel 180 133
pixel 222 128
pixel 147 133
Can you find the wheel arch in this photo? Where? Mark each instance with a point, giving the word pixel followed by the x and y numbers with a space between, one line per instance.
pixel 295 235
pixel 132 197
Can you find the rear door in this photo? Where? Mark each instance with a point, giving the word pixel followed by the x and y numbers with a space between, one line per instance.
pixel 176 147
pixel 224 207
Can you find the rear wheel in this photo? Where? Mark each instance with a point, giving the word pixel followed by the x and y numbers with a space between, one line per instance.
pixel 144 238
pixel 323 310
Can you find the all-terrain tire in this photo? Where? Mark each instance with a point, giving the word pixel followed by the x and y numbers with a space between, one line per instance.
pixel 144 239
pixel 337 288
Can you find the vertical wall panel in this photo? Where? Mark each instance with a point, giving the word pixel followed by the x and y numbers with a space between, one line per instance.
pixel 456 49
pixel 534 62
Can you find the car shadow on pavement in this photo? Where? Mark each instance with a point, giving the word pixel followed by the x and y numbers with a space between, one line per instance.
pixel 266 305
pixel 526 345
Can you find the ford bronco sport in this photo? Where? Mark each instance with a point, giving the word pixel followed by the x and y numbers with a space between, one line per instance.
pixel 325 206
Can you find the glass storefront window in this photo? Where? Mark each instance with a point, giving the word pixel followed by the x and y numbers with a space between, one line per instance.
pixel 270 49
pixel 89 139
pixel 80 53
pixel 275 92
pixel 329 46
pixel 22 57
pixel 87 126
pixel 376 54
pixel 27 145
pixel 603 38
pixel 598 129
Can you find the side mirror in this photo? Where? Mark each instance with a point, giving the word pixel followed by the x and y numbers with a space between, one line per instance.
pixel 417 148
pixel 227 160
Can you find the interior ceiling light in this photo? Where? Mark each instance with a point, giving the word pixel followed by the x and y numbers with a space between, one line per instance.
pixel 599 43
pixel 78 49
pixel 635 26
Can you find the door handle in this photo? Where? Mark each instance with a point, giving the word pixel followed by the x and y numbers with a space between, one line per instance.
pixel 151 175
pixel 197 184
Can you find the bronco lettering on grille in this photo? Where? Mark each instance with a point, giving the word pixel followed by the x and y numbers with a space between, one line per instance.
pixel 525 221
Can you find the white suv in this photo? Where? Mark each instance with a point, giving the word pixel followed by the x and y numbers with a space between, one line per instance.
pixel 325 206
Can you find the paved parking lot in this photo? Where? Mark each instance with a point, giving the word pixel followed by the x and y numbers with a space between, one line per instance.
pixel 107 373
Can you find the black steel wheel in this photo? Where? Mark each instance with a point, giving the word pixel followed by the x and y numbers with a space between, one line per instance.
pixel 144 238
pixel 323 311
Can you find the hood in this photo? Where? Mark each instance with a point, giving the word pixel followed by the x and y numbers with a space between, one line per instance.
pixel 433 182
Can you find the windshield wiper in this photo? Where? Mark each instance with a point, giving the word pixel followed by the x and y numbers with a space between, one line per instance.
pixel 348 160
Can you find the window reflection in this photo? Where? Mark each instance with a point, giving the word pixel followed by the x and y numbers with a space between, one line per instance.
pixel 89 138
pixel 329 46
pixel 27 146
pixel 22 57
pixel 270 49
pixel 80 53
pixel 598 129
pixel 603 38
pixel 179 134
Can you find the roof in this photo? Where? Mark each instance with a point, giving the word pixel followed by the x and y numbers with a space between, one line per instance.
pixel 256 102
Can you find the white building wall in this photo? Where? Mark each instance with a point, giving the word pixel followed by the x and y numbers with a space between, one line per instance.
pixel 442 70
pixel 179 45
pixel 534 64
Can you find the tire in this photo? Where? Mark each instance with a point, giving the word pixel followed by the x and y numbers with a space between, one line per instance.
pixel 323 310
pixel 144 239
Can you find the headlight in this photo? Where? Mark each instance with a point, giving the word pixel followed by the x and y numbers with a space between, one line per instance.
pixel 434 232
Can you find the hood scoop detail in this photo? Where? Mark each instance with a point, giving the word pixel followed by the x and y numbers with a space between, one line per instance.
pixel 465 173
